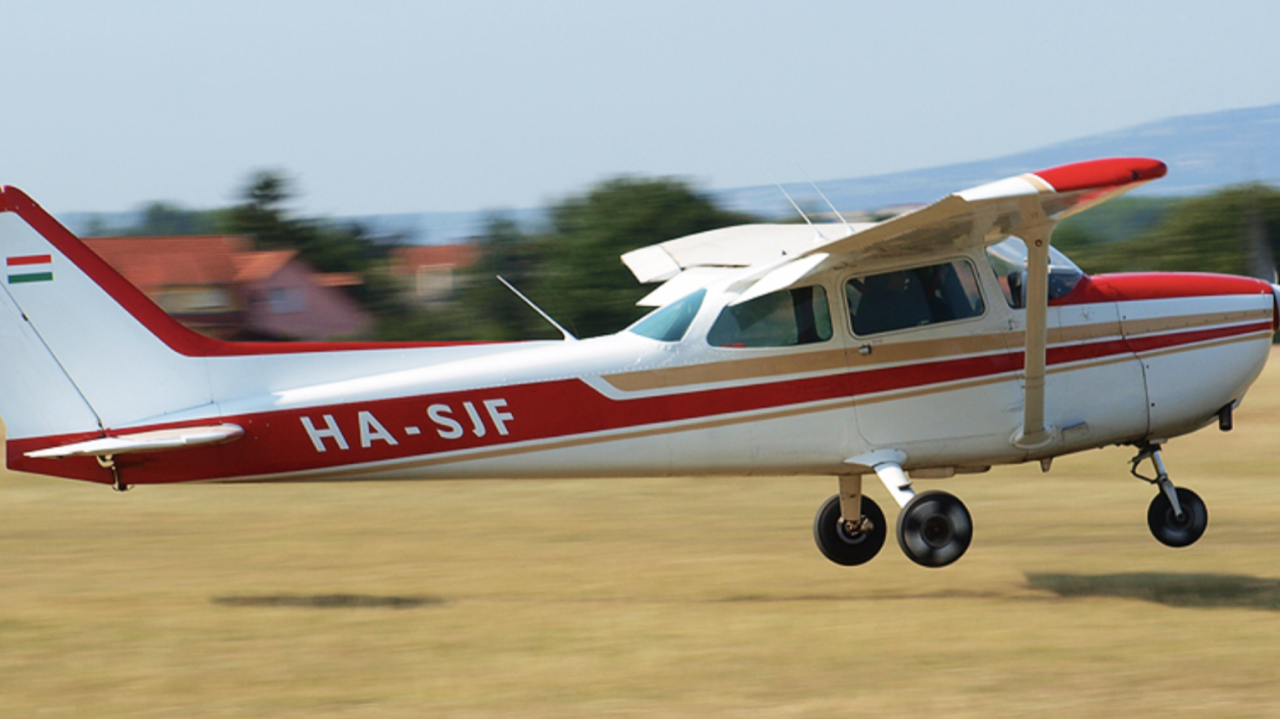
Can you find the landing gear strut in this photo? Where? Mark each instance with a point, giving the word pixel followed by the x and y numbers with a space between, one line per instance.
pixel 1177 516
pixel 841 538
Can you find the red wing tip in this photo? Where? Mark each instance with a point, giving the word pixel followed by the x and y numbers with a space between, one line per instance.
pixel 1110 172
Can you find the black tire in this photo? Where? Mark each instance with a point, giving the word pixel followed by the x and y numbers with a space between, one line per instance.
pixel 934 529
pixel 838 545
pixel 1164 523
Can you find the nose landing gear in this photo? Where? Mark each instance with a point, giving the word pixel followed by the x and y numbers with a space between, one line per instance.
pixel 1177 516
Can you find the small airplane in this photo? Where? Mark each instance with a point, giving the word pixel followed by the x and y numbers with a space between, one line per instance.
pixel 941 342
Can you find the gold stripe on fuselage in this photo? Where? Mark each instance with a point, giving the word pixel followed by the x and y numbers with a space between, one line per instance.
pixel 766 414
pixel 795 363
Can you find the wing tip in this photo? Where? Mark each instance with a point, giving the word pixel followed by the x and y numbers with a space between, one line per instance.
pixel 1108 172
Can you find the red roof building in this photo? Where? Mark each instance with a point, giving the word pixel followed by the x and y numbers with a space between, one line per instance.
pixel 432 271
pixel 220 286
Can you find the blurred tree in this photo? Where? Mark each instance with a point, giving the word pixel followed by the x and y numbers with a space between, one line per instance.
pixel 164 219
pixel 326 246
pixel 581 281
pixel 160 219
pixel 484 309
pixel 1210 233
pixel 508 252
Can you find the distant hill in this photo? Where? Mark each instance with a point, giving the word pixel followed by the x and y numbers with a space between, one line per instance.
pixel 1203 152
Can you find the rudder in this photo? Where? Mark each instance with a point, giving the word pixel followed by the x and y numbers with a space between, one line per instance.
pixel 83 349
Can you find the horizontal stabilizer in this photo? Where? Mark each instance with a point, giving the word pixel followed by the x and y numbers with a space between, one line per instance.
pixel 155 441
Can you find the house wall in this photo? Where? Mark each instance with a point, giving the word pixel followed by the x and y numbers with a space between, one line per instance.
pixel 289 305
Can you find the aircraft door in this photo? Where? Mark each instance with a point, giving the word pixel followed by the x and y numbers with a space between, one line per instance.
pixel 930 362
pixel 785 350
pixel 1095 392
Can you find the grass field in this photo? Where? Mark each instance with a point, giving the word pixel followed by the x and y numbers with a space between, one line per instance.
pixel 645 598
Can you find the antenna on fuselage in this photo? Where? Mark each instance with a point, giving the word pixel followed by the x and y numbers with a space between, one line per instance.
pixel 568 337
pixel 793 204
pixel 823 195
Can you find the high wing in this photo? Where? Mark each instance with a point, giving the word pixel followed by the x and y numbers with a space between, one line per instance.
pixel 766 258
pixel 980 215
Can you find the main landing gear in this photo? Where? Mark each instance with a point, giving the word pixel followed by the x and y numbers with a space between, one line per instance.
pixel 934 528
pixel 1177 516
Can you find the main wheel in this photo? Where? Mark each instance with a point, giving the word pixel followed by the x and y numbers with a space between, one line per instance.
pixel 1166 526
pixel 934 529
pixel 840 545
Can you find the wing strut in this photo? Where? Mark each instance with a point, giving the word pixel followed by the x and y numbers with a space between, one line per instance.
pixel 1035 231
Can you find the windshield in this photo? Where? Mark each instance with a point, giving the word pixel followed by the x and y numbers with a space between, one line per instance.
pixel 668 324
pixel 1009 261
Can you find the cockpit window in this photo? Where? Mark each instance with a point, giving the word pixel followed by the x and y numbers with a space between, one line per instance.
pixel 913 298
pixel 668 324
pixel 1009 261
pixel 779 319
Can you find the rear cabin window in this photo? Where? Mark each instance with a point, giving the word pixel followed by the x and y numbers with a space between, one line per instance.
pixel 796 316
pixel 913 298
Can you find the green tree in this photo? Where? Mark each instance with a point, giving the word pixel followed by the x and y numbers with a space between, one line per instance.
pixel 582 283
pixel 326 246
pixel 1210 233
pixel 508 252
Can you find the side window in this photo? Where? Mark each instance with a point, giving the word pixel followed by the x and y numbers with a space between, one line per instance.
pixel 668 324
pixel 1009 261
pixel 779 319
pixel 913 298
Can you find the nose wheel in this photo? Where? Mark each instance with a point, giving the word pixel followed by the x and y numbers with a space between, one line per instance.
pixel 1172 529
pixel 934 529
pixel 1177 516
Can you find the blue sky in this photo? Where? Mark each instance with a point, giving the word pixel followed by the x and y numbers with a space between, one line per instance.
pixel 408 107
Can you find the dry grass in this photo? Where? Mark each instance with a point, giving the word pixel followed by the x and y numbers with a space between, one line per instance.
pixel 665 597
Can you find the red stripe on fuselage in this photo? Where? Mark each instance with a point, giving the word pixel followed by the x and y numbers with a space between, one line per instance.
pixel 1135 286
pixel 277 443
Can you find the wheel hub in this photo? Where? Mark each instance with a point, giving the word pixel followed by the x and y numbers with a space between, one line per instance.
pixel 854 532
pixel 1171 518
pixel 936 531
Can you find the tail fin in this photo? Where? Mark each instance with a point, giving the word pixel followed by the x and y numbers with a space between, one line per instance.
pixel 81 349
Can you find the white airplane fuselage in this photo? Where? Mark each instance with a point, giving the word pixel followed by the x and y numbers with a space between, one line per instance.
pixel 1131 357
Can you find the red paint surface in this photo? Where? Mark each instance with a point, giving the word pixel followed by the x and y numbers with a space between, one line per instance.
pixel 1159 286
pixel 29 260
pixel 1110 172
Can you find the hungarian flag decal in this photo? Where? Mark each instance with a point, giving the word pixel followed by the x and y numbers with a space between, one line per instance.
pixel 30 268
